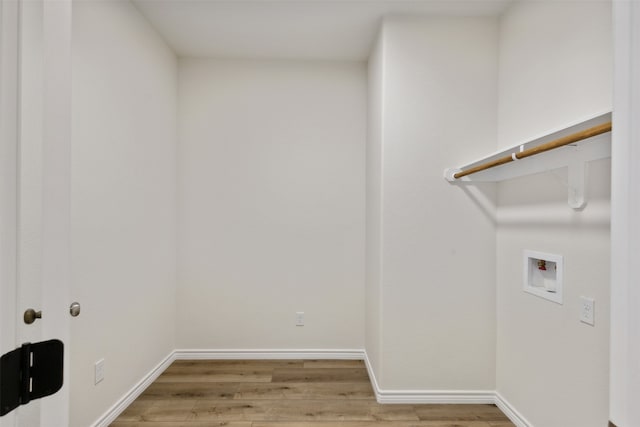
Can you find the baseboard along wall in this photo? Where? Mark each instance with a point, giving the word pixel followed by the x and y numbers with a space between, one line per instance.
pixel 118 408
pixel 427 396
pixel 199 354
pixel 382 396
pixel 515 416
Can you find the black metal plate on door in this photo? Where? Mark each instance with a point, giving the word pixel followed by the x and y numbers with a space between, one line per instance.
pixel 30 372
pixel 47 368
pixel 10 385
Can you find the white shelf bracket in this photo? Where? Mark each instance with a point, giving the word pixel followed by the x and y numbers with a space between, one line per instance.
pixel 577 180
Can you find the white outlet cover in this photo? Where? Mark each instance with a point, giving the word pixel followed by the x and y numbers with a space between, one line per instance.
pixel 587 310
pixel 99 371
pixel 300 318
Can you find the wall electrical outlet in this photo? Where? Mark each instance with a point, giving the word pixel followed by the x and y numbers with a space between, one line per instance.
pixel 300 318
pixel 587 310
pixel 99 371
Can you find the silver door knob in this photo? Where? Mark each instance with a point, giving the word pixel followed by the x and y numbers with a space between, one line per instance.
pixel 74 309
pixel 30 316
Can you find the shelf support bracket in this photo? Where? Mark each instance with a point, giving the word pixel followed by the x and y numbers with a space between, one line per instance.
pixel 577 183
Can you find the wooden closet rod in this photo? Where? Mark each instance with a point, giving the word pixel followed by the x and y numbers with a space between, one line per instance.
pixel 560 142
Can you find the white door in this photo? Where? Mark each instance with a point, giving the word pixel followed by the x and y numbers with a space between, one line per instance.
pixel 34 212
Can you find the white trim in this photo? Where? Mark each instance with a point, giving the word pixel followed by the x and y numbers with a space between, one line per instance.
pixel 372 376
pixel 126 400
pixel 208 354
pixel 477 397
pixel 9 78
pixel 444 397
pixel 382 396
pixel 624 347
pixel 510 411
pixel 427 396
pixel 201 354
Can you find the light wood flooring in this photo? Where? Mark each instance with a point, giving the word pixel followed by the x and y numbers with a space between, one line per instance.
pixel 285 393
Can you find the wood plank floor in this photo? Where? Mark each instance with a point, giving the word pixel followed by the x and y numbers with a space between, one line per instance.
pixel 285 393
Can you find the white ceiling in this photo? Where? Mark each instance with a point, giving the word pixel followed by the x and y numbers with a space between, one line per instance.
pixel 289 29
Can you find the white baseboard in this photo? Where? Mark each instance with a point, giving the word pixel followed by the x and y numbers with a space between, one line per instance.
pixel 112 413
pixel 372 376
pixel 427 396
pixel 205 354
pixel 477 397
pixel 511 412
pixel 382 396
pixel 198 354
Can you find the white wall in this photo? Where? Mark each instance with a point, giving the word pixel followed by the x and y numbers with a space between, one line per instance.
pixel 373 249
pixel 550 367
pixel 271 204
pixel 437 295
pixel 123 202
